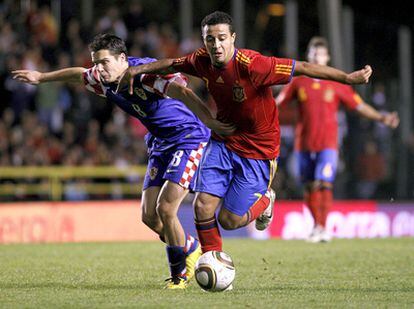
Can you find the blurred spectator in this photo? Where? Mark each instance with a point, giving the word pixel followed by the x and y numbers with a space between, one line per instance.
pixel 77 126
pixel 111 22
pixel 370 170
pixel 135 17
pixel 191 44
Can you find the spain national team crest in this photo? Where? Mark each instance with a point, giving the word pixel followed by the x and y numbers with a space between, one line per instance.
pixel 153 172
pixel 238 93
pixel 140 92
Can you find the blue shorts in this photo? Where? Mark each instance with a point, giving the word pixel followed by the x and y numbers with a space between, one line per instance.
pixel 178 166
pixel 320 165
pixel 239 181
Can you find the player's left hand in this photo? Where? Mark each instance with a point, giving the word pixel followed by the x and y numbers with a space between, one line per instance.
pixel 359 77
pixel 391 120
pixel 221 128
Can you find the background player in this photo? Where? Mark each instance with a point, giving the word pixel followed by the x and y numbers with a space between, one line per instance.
pixel 175 142
pixel 316 137
pixel 238 169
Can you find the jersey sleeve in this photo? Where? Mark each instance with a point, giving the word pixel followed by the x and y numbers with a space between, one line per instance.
pixel 186 64
pixel 268 71
pixel 92 81
pixel 348 96
pixel 287 94
pixel 159 83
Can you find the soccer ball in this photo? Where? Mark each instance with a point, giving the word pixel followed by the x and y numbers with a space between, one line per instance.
pixel 214 271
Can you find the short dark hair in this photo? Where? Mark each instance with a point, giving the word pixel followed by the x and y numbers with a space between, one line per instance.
pixel 317 41
pixel 216 18
pixel 111 42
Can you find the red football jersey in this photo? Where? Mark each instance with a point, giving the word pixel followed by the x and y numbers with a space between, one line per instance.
pixel 243 97
pixel 318 103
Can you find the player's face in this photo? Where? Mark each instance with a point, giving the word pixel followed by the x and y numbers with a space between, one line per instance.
pixel 319 55
pixel 219 43
pixel 110 67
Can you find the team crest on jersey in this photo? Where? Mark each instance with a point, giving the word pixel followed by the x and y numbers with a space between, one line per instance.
pixel 238 93
pixel 153 172
pixel 329 95
pixel 141 93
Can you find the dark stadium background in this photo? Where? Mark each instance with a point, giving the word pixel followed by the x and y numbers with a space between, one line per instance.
pixel 376 26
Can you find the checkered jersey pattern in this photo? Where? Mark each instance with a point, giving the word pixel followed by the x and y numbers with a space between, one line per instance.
pixel 153 83
pixel 192 165
pixel 93 82
pixel 159 83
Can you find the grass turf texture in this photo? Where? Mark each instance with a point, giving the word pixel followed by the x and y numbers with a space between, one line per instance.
pixel 375 273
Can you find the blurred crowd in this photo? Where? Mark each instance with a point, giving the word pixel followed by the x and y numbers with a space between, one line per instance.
pixel 61 124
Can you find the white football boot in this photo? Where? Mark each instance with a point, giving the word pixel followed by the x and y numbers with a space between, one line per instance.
pixel 263 221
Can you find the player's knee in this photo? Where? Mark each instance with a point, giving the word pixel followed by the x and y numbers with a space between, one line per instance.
pixel 313 185
pixel 228 222
pixel 149 220
pixel 165 211
pixel 203 210
pixel 326 185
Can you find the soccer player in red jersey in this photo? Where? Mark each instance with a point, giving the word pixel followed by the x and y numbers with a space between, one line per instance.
pixel 316 137
pixel 236 171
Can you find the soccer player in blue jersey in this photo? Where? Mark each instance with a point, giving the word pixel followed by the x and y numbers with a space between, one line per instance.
pixel 176 139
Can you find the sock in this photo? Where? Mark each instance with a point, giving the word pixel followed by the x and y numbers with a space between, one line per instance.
pixel 176 259
pixel 313 201
pixel 258 207
pixel 326 203
pixel 191 244
pixel 209 234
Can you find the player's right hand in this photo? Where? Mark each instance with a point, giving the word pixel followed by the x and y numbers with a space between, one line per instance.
pixel 359 77
pixel 391 120
pixel 27 76
pixel 127 79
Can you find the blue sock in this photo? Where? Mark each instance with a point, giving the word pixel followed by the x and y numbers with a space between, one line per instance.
pixel 176 258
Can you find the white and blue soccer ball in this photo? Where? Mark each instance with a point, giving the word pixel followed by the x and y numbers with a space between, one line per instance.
pixel 214 271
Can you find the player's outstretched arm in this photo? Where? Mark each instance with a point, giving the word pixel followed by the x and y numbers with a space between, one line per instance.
pixel 73 75
pixel 196 105
pixel 326 72
pixel 391 120
pixel 163 66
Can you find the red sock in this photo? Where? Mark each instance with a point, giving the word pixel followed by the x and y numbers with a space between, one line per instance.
pixel 313 201
pixel 209 234
pixel 326 203
pixel 257 209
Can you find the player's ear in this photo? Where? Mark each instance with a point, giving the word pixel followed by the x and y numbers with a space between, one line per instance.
pixel 123 57
pixel 233 37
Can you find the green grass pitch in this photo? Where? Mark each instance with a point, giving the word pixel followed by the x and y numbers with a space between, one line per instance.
pixel 375 273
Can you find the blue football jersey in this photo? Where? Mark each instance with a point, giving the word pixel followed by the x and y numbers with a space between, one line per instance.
pixel 169 122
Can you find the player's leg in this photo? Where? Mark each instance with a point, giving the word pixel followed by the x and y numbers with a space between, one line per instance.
pixel 149 214
pixel 249 194
pixel 312 194
pixel 313 199
pixel 325 172
pixel 213 179
pixel 182 248
pixel 208 231
pixel 170 198
pixel 153 182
